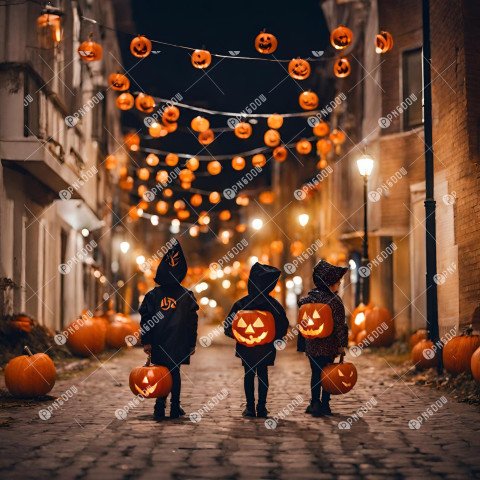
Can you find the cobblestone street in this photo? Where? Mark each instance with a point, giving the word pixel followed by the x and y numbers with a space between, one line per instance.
pixel 84 439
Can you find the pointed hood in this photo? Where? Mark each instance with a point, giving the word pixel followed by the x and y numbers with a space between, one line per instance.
pixel 173 267
pixel 262 279
pixel 326 274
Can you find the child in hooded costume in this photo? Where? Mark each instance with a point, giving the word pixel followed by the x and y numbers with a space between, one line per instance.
pixel 322 351
pixel 169 324
pixel 257 358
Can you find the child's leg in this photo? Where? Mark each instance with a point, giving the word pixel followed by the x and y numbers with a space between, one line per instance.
pixel 177 385
pixel 249 386
pixel 315 384
pixel 262 374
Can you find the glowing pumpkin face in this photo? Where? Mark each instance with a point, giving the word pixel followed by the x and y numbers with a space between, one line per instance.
pixel 308 100
pixel 145 103
pixel 150 381
pixel 125 101
pixel 339 378
pixel 341 68
pixel 201 58
pixel 341 37
pixel 140 47
pixel 299 69
pixel 271 138
pixel 170 114
pixel 266 43
pixel 280 154
pixel 315 320
pixel 206 137
pixel 321 129
pixel 253 327
pixel 303 146
pixel 243 130
pixel 119 82
pixel 383 42
pixel 90 51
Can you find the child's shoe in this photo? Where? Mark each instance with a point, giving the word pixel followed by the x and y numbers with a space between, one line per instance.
pixel 325 408
pixel 309 408
pixel 249 411
pixel 159 410
pixel 176 410
pixel 262 411
pixel 317 409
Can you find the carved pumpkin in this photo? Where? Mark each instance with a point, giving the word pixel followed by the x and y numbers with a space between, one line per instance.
pixel 271 138
pixel 125 101
pixel 206 137
pixel 259 160
pixel 30 375
pixel 238 163
pixel 315 320
pixel 116 333
pixel 299 69
pixel 192 164
pixel 214 167
pixel 150 381
pixel 308 100
pixel 145 103
pixel 341 37
pixel 280 154
pixel 22 323
pixel 186 175
pixel 303 146
pixel 143 174
pixel 338 139
pixel 275 121
pixel 85 337
pixel 458 352
pixel 341 68
pixel 171 114
pixel 420 334
pixel 383 42
pixel 267 197
pixel 380 320
pixel 196 200
pixel 132 141
pixel 339 378
pixel 152 160
pixel 475 364
pixel 243 130
pixel 140 46
pixel 201 58
pixel 118 82
pixel 357 319
pixel 266 43
pixel 421 361
pixel 253 327
pixel 324 147
pixel 90 51
pixel 161 207
pixel 321 129
pixel 200 124
pixel 214 197
pixel 171 159
pixel 157 130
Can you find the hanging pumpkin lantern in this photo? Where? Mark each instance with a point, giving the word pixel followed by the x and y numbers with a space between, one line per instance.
pixel 384 334
pixel 171 127
pixel 132 141
pixel 162 177
pixel 315 320
pixel 271 138
pixel 90 51
pixel 338 139
pixel 297 248
pixel 280 154
pixel 196 200
pixel 341 68
pixel 299 69
pixel 143 173
pixel 322 163
pixel 238 163
pixel 168 193
pixel 179 205
pixel 383 42
pixel 200 124
pixel 214 197
pixel 171 159
pixel 30 375
pixel 145 103
pixel 242 200
pixel 266 43
pixel 275 121
pixel 241 227
pixel 171 114
pixel 186 185
pixel 183 214
pixel 267 197
pixel 357 319
pixel 161 207
pixel 243 130
pixel 86 337
pixel 253 327
pixel 192 164
pixel 125 101
pixel 49 27
pixel 339 378
pixel 118 82
pixel 276 246
pixel 321 129
pixel 457 352
pixel 141 190
pixel 152 160
pixel 140 46
pixel 201 58
pixel 324 147
pixel 186 175
pixel 424 355
pixel 206 137
pixel 308 100
pixel 203 218
pixel 133 213
pixel 214 167
pixel 150 381
pixel 126 183
pixel 157 130
pixel 259 160
pixel 341 37
pixel 303 146
pixel 225 215
pixel 111 162
pixel 420 334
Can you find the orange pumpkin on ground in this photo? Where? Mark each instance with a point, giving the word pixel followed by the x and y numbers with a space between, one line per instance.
pixel 339 378
pixel 424 355
pixel 361 339
pixel 85 337
pixel 315 320
pixel 116 333
pixel 150 381
pixel 420 334
pixel 357 319
pixel 475 364
pixel 458 352
pixel 380 325
pixel 30 375
pixel 253 327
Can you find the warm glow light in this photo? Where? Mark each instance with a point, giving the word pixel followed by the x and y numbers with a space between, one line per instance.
pixel 289 284
pixel 140 260
pixel 212 303
pixel 226 284
pixel 193 231
pixel 297 280
pixel 140 211
pixel 219 273
pixel 365 165
pixel 175 226
pixel 303 219
pixel 359 318
pixel 124 247
pixel 257 223
pixel 97 274
pixel 154 219
pixel 253 259
pixel 204 301
pixel 85 232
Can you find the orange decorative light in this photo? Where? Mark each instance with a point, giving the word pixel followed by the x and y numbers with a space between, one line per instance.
pixel 277 246
pixel 186 185
pixel 241 227
pixel 267 197
pixel 266 43
pixel 118 82
pixel 183 214
pixel 225 215
pixel 140 47
pixel 214 167
pixel 259 160
pixel 162 177
pixel 126 183
pixel 341 68
pixel 132 141
pixel 157 130
pixel 201 59
pixel 297 248
pixel 168 193
pixel 303 146
pixel 214 197
pixel 171 114
pixel 280 154
pixel 383 42
pixel 321 129
pixel 90 51
pixel 238 163
pixel 143 173
pixel 299 69
pixel 111 162
pixel 308 100
pixel 145 103
pixel 179 205
pixel 324 147
pixel 196 200
pixel 186 175
pixel 192 164
pixel 152 160
pixel 275 121
pixel 200 124
pixel 242 200
pixel 125 101
pixel 338 139
pixel 206 137
pixel 341 37
pixel 171 159
pixel 243 130
pixel 271 138
pixel 141 190
pixel 171 127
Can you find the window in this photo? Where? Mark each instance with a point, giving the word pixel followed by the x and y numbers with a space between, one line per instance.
pixel 412 88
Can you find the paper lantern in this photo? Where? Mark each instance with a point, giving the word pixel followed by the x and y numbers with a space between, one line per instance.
pixel 341 37
pixel 238 163
pixel 140 47
pixel 271 138
pixel 152 160
pixel 171 159
pixel 214 167
pixel 201 58
pixel 259 160
pixel 200 124
pixel 214 197
pixel 125 101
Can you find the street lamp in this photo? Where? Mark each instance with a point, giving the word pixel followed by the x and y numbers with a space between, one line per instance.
pixel 365 167
pixel 257 224
pixel 124 247
pixel 303 219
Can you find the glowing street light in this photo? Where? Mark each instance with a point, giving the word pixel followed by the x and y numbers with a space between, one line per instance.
pixel 140 260
pixel 124 247
pixel 257 223
pixel 303 219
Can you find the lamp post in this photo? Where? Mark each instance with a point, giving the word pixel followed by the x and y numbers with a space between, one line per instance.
pixel 365 167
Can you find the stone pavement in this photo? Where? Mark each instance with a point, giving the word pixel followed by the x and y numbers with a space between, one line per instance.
pixel 83 439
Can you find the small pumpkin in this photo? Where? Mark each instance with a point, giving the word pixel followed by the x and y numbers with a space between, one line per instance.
pixel 214 197
pixel 171 114
pixel 116 333
pixel 238 163
pixel 161 207
pixel 206 137
pixel 186 175
pixel 458 352
pixel 192 164
pixel 341 37
pixel 90 51
pixel 315 320
pixel 253 327
pixel 171 159
pixel 299 69
pixel 324 147
pixel 339 378
pixel 162 177
pixel 475 364
pixel 383 42
pixel 145 103
pixel 214 167
pixel 321 129
pixel 200 124
pixel 157 130
pixel 132 140
pixel 421 356
pixel 275 121
pixel 140 46
pixel 259 160
pixel 125 101
pixel 85 337
pixel 280 154
pixel 196 200
pixel 30 375
pixel 225 215
pixel 266 43
pixel 118 82
pixel 22 323
pixel 342 68
pixel 243 130
pixel 420 334
pixel 380 320
pixel 308 100
pixel 150 381
pixel 201 59
pixel 303 146
pixel 152 160
pixel 271 138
